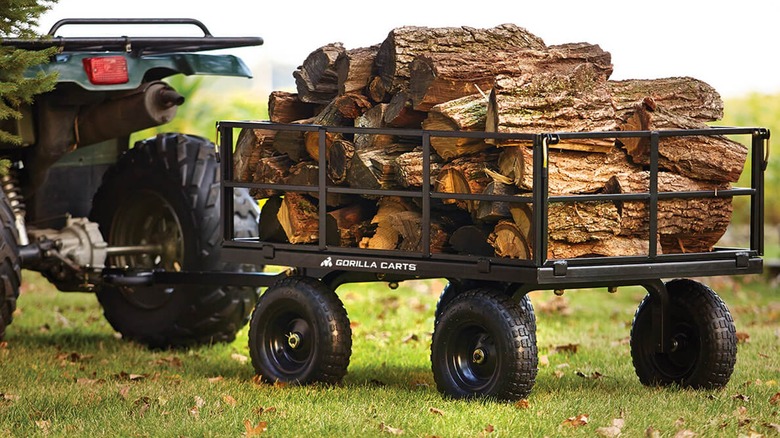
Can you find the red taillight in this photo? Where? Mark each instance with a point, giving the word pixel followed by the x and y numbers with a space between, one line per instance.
pixel 106 70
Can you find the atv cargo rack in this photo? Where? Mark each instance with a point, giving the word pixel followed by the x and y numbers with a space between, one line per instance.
pixel 359 265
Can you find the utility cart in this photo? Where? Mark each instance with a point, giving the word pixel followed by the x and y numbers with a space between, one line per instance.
pixel 484 341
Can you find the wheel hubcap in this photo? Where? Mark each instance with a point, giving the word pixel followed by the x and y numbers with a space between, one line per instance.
pixel 479 356
pixel 294 340
pixel 473 358
pixel 289 345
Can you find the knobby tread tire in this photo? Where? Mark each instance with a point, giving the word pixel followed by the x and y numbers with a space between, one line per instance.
pixel 183 170
pixel 513 325
pixel 714 362
pixel 312 300
pixel 10 269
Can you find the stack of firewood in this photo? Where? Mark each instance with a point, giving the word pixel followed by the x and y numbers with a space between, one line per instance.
pixel 505 80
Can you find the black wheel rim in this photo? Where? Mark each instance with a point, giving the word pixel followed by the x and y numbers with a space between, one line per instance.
pixel 289 342
pixel 148 219
pixel 472 358
pixel 678 363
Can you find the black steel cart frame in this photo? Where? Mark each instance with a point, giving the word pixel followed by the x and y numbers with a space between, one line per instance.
pixel 337 265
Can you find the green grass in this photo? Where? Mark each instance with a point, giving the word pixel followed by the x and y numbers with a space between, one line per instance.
pixel 63 372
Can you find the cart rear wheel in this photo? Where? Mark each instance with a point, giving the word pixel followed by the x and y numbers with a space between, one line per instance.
pixel 485 345
pixel 703 339
pixel 299 333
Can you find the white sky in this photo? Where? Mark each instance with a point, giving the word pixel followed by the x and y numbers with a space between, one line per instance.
pixel 731 45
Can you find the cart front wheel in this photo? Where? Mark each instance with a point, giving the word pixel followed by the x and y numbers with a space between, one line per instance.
pixel 702 339
pixel 485 345
pixel 299 333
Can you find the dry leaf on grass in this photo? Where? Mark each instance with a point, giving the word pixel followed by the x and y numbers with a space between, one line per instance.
pixel 592 376
pixel 262 410
pixel 391 430
pixel 743 337
pixel 775 399
pixel 679 422
pixel 544 361
pixel 141 405
pixel 612 431
pixel 489 429
pixel 774 426
pixel 215 379
pixel 43 425
pixel 240 358
pixel 566 348
pixel 523 404
pixel 559 374
pixel 435 411
pixel 579 420
pixel 257 430
pixel 652 432
pixel 411 337
pixel 685 433
pixel 199 402
pixel 8 397
pixel 741 397
pixel 124 390
pixel 228 399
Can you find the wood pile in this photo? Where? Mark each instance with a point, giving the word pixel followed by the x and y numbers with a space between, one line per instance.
pixel 503 80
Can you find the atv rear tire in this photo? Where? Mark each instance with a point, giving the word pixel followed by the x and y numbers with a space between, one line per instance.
pixel 10 270
pixel 165 192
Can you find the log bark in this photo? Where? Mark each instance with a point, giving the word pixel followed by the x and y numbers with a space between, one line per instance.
pixel 409 169
pixel 316 79
pixel 292 143
pixel 375 168
pixel 351 222
pixel 577 222
pixel 373 118
pixel 331 115
pixel 408 225
pixel 403 44
pixel 353 69
pixel 251 146
pixel 493 211
pixel 440 77
pixel 270 170
pixel 509 240
pixel 299 218
pixel 306 173
pixel 351 105
pixel 553 102
pixel 680 95
pixel 285 107
pixel 616 246
pixel 466 175
pixel 569 172
pixel 339 157
pixel 464 114
pixel 709 158
pixel 684 225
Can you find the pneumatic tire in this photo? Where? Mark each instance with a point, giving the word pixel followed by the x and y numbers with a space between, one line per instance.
pixel 165 192
pixel 484 345
pixel 703 340
pixel 300 334
pixel 10 270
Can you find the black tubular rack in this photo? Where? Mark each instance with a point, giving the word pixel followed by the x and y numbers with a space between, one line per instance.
pixel 342 265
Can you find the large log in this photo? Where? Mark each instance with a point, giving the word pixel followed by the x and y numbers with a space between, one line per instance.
pixel 332 115
pixel 339 158
pixel 373 118
pixel 403 44
pixel 375 168
pixel 569 172
pixel 440 77
pixel 464 114
pixel 553 102
pixel 510 241
pixel 285 107
pixel 316 79
pixel 680 95
pixel 684 225
pixel 353 69
pixel 472 240
pixel 292 143
pixel 616 246
pixel 409 169
pixel 299 218
pixel 349 223
pixel 709 158
pixel 385 235
pixel 400 114
pixel 251 146
pixel 466 175
pixel 408 225
pixel 270 170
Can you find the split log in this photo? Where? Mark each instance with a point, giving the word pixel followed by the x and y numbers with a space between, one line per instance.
pixel 466 175
pixel 339 158
pixel 680 95
pixel 251 146
pixel 403 44
pixel 353 69
pixel 684 225
pixel 285 107
pixel 409 169
pixel 492 211
pixel 464 114
pixel 299 218
pixel 270 229
pixel 400 114
pixel 331 115
pixel 553 102
pixel 316 79
pixel 408 225
pixel 508 240
pixel 569 172
pixel 349 223
pixel 351 105
pixel 373 118
pixel 616 246
pixel 440 77
pixel 292 143
pixel 307 173
pixel 270 170
pixel 386 236
pixel 375 168
pixel 709 158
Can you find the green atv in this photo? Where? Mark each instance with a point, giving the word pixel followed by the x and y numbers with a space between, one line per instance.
pixel 79 199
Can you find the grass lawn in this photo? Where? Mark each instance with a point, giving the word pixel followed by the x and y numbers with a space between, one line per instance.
pixel 63 372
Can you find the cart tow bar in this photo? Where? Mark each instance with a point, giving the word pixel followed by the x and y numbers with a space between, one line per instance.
pixel 130 277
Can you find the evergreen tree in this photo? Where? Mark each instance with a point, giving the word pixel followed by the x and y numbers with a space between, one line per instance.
pixel 17 20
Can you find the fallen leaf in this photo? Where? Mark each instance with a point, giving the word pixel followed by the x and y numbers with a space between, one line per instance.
pixel 168 361
pixel 61 319
pixel 3 345
pixel 679 422
pixel 136 376
pixel 741 397
pixel 435 411
pixel 46 328
pixel 523 404
pixel 257 379
pixel 124 390
pixel 257 430
pixel 559 374
pixel 228 399
pixel 354 324
pixel 566 348
pixel 391 430
pixel 261 410
pixel 194 412
pixel 9 397
pixel 652 432
pixel 489 429
pixel 775 399
pixel 774 426
pixel 685 433
pixel 412 337
pixel 592 376
pixel 43 425
pixel 142 405
pixel 544 360
pixel 743 337
pixel 240 358
pixel 215 379
pixel 579 420
pixel 613 430
pixel 199 402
